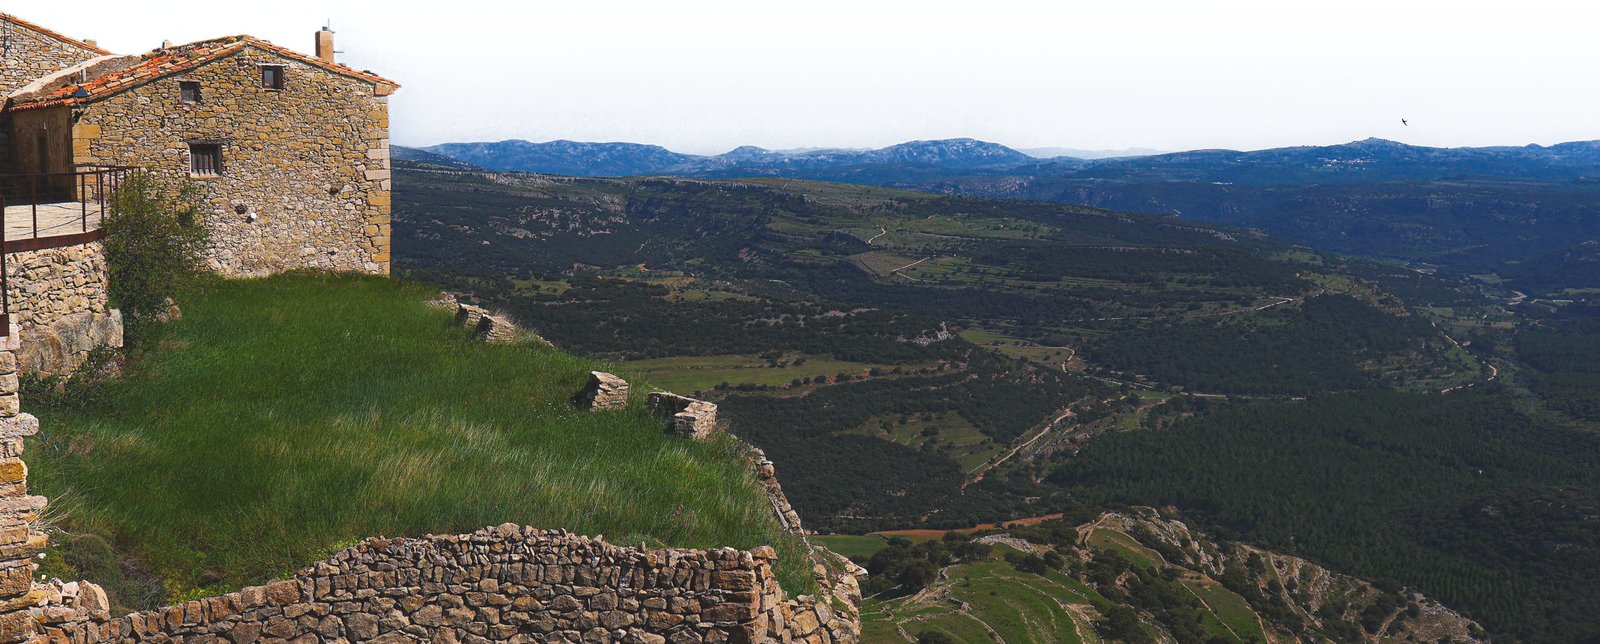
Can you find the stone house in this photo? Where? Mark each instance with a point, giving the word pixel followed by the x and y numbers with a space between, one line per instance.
pixel 291 151
pixel 288 152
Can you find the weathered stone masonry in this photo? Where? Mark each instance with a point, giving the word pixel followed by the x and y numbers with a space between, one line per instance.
pixel 31 51
pixel 290 152
pixel 27 52
pixel 305 170
pixel 509 583
pixel 20 540
pixel 58 300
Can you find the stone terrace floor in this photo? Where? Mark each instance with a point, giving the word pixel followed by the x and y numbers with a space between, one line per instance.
pixel 55 219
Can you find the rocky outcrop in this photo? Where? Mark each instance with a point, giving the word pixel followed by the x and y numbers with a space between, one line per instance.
pixel 604 392
pixel 1294 582
pixel 496 329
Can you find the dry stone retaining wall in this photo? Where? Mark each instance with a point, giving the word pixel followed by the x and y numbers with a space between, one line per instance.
pixel 59 300
pixel 504 584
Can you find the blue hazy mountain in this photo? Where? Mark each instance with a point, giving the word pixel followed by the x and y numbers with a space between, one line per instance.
pixel 1470 210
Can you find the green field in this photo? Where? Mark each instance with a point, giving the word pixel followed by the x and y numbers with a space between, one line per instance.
pixel 697 373
pixel 946 432
pixel 990 596
pixel 1128 547
pixel 1230 610
pixel 283 418
pixel 852 546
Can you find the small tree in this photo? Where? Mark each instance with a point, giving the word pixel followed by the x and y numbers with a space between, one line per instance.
pixel 155 242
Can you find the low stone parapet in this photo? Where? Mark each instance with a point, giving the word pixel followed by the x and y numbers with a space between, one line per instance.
pixel 486 326
pixel 603 393
pixel 687 417
pixel 504 584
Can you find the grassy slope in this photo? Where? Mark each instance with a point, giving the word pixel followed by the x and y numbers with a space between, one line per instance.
pixel 283 418
pixel 1018 606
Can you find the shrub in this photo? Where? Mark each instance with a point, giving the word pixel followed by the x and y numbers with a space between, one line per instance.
pixel 155 242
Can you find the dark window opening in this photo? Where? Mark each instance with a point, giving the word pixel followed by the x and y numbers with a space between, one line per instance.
pixel 205 158
pixel 189 91
pixel 272 76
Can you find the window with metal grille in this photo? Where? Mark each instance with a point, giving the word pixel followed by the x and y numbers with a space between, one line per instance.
pixel 189 91
pixel 205 158
pixel 272 76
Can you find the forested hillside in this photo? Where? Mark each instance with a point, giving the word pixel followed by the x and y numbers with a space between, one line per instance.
pixel 921 361
pixel 1470 211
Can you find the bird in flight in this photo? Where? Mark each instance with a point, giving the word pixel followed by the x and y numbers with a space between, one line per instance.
pixel 1403 122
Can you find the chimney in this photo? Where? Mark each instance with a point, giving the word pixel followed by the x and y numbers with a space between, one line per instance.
pixel 90 42
pixel 325 44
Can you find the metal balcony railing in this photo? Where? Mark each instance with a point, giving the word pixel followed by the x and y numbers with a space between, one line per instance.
pixel 48 209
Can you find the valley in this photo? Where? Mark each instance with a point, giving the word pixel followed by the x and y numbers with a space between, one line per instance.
pixel 928 362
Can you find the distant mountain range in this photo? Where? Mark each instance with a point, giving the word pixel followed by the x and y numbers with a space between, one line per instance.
pixel 634 159
pixel 1359 161
pixel 1051 153
pixel 1468 210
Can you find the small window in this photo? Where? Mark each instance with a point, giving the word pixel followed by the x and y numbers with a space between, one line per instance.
pixel 205 159
pixel 189 91
pixel 272 76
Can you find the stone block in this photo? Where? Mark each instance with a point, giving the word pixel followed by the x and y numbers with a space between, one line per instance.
pixel 603 392
pixel 687 417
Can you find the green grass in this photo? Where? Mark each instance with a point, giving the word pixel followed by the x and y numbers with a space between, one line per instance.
pixel 1014 609
pixel 283 418
pixel 853 546
pixel 698 373
pixel 1128 547
pixel 1229 608
pixel 1019 606
pixel 954 435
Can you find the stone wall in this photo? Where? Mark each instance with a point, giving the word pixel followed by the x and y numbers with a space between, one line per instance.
pixel 58 300
pixel 305 170
pixel 503 584
pixel 604 392
pixel 20 541
pixel 31 52
pixel 687 417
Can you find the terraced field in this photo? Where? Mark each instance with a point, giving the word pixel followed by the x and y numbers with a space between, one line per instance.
pixel 991 601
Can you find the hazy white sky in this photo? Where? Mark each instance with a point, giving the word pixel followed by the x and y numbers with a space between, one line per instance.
pixel 708 75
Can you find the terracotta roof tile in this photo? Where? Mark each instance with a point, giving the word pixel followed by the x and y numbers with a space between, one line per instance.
pixel 33 27
pixel 162 63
